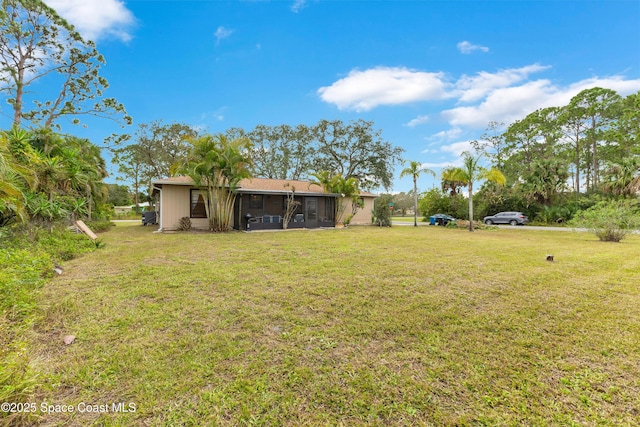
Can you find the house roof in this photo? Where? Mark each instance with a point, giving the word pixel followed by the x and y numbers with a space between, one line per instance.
pixel 260 185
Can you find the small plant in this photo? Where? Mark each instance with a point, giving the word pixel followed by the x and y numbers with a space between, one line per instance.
pixel 184 224
pixel 609 221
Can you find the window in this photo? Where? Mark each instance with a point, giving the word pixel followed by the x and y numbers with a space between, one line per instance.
pixel 198 210
pixel 255 201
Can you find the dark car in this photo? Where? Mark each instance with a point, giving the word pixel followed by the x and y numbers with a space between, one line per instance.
pixel 513 218
pixel 441 219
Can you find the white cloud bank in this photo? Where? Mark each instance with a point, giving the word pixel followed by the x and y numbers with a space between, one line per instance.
pixel 365 90
pixel 502 96
pixel 96 19
pixel 467 48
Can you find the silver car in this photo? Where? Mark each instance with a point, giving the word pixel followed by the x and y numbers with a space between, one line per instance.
pixel 513 218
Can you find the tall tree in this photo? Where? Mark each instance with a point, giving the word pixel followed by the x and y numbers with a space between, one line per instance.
pixel 282 152
pixel 595 107
pixel 493 144
pixel 356 150
pixel 470 172
pixel 36 44
pixel 414 170
pixel 155 149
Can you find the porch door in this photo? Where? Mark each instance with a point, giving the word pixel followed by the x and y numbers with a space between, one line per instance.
pixel 311 212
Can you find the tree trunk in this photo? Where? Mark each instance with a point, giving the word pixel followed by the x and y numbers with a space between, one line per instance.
pixel 415 201
pixel 470 206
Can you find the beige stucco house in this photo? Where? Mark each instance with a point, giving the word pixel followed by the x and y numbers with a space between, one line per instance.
pixel 260 204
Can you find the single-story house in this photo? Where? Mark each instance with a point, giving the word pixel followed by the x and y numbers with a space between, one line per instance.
pixel 260 204
pixel 127 209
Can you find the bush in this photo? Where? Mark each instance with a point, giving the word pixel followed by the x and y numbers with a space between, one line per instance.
pixel 609 221
pixel 100 226
pixel 381 211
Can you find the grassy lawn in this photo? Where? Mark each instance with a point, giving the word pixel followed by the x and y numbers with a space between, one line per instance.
pixel 360 326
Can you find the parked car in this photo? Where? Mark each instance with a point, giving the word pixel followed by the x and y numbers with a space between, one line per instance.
pixel 441 219
pixel 513 218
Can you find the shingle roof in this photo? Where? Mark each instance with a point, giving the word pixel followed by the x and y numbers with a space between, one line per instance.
pixel 250 185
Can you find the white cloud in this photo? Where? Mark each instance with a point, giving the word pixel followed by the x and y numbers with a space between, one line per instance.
pixel 513 103
pixel 418 121
pixel 456 162
pixel 466 47
pixel 222 33
pixel 96 19
pixel 457 148
pixel 298 5
pixel 446 135
pixel 476 87
pixel 364 90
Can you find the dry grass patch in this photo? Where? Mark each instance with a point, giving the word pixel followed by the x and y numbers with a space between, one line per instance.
pixel 399 326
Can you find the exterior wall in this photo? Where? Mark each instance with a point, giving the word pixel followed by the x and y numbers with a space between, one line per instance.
pixel 363 216
pixel 176 203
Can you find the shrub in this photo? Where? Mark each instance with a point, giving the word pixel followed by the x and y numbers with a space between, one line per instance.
pixel 99 226
pixel 609 221
pixel 381 211
pixel 184 224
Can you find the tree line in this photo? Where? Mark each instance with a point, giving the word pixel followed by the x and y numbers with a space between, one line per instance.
pixel 351 150
pixel 556 161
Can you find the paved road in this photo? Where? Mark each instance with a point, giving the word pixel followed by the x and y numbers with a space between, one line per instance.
pixel 518 227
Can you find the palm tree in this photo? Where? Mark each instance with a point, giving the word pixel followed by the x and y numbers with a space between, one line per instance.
pixel 348 188
pixel 15 178
pixel 218 163
pixel 414 170
pixel 623 178
pixel 449 182
pixel 470 172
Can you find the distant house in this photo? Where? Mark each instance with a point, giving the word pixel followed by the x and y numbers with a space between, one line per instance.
pixel 127 209
pixel 260 204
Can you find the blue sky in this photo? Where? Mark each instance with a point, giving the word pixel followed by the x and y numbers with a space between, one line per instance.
pixel 429 74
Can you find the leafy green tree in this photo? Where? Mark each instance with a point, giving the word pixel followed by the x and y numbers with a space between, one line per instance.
pixel 624 133
pixel 414 170
pixel 156 148
pixel 219 164
pixel 493 144
pixel 355 150
pixel 118 195
pixel 596 108
pixel 280 152
pixel 534 137
pixel 130 163
pixel 402 202
pixel 471 172
pixel 38 46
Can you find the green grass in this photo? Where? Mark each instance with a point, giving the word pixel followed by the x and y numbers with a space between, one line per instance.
pixel 359 326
